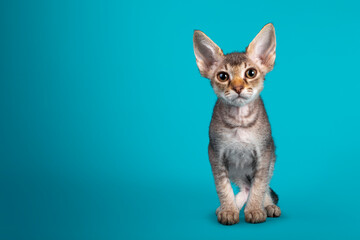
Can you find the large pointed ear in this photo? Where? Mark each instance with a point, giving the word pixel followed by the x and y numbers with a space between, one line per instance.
pixel 262 49
pixel 207 53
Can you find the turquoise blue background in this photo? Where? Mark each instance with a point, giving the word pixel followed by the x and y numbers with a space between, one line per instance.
pixel 104 118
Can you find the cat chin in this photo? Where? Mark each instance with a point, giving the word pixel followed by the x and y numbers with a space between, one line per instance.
pixel 240 102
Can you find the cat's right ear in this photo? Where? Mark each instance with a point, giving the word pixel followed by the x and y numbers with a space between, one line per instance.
pixel 207 53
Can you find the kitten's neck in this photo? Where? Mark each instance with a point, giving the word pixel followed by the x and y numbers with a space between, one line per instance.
pixel 244 116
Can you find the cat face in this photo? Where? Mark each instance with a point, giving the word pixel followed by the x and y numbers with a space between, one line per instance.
pixel 236 78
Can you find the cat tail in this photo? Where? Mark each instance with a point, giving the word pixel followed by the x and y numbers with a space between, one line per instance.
pixel 274 196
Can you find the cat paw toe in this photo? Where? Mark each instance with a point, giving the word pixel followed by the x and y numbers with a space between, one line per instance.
pixel 273 211
pixel 227 217
pixel 255 216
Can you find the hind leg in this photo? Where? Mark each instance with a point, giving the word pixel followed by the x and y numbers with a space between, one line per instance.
pixel 242 197
pixel 271 209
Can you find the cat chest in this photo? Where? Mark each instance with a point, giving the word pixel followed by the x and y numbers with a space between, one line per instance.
pixel 240 154
pixel 236 140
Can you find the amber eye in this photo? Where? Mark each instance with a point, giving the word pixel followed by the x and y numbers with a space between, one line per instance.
pixel 223 76
pixel 251 73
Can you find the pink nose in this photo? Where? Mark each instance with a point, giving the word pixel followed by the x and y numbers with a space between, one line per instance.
pixel 238 89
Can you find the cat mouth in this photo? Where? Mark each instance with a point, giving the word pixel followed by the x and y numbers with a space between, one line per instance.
pixel 240 97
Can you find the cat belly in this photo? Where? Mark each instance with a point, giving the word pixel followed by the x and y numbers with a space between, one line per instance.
pixel 241 163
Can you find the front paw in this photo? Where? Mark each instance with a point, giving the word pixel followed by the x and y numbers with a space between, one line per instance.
pixel 227 216
pixel 255 215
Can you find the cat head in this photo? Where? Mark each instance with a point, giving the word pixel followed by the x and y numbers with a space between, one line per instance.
pixel 238 77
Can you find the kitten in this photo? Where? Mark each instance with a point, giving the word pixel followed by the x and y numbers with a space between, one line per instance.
pixel 241 147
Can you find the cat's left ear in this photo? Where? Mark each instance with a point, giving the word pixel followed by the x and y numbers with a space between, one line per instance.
pixel 262 49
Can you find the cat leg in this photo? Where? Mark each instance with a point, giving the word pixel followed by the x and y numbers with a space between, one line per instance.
pixel 270 205
pixel 254 210
pixel 227 213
